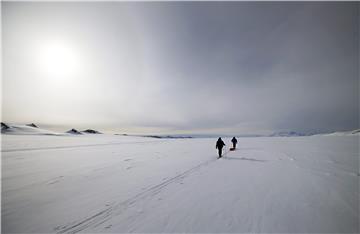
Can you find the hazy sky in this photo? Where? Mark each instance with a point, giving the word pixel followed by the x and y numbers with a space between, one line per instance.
pixel 166 67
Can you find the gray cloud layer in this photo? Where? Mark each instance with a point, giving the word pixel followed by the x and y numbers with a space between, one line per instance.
pixel 190 66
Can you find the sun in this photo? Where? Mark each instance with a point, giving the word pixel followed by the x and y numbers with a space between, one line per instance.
pixel 58 60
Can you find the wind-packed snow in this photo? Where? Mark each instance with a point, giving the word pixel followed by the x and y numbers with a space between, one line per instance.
pixel 105 183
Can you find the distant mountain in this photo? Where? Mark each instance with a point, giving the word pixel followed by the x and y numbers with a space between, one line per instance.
pixel 4 127
pixel 74 131
pixel 32 125
pixel 167 137
pixel 188 136
pixel 343 133
pixel 91 131
pixel 16 129
pixel 287 134
pixel 32 129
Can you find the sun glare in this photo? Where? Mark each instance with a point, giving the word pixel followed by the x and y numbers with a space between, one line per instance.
pixel 58 60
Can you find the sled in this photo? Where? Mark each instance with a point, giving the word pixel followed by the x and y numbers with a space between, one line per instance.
pixel 232 149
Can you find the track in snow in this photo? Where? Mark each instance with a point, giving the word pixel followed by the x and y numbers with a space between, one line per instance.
pixel 116 209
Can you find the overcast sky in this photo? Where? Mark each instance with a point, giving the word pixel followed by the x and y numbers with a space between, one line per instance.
pixel 193 67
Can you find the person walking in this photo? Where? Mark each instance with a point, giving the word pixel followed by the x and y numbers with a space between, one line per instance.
pixel 234 141
pixel 219 146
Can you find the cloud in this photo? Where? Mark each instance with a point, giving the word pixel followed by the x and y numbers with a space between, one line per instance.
pixel 188 66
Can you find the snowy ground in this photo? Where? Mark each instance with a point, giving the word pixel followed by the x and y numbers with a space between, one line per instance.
pixel 103 183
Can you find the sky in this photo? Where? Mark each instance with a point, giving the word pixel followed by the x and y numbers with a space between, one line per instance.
pixel 182 67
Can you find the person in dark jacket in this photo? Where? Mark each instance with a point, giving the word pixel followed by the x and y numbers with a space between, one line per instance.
pixel 234 141
pixel 219 145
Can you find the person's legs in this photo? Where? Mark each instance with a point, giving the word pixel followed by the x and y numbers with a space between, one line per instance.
pixel 234 145
pixel 220 151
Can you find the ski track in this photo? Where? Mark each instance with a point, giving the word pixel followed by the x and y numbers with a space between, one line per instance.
pixel 116 209
pixel 76 146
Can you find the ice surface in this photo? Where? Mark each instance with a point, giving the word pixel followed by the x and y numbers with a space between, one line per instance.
pixel 104 183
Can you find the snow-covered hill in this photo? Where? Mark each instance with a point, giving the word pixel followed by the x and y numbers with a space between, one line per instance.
pixel 74 132
pixel 29 129
pixel 346 133
pixel 91 131
pixel 32 129
pixel 101 183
